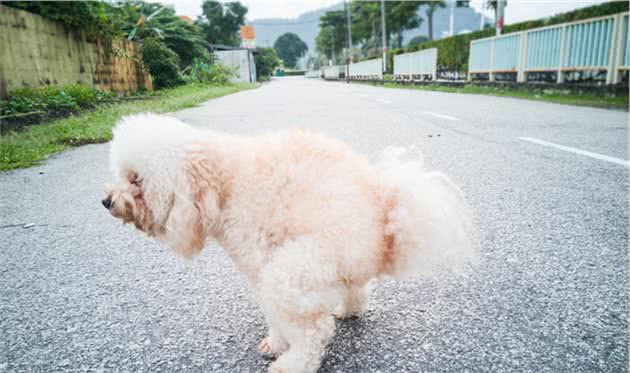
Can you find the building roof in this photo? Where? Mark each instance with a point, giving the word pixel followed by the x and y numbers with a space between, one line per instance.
pixel 222 47
pixel 186 19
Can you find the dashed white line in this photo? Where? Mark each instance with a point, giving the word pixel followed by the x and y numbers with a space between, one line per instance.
pixel 601 157
pixel 383 100
pixel 440 115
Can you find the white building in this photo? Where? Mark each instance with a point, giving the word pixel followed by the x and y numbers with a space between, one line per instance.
pixel 242 58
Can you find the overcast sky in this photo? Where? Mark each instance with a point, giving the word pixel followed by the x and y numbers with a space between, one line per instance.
pixel 517 10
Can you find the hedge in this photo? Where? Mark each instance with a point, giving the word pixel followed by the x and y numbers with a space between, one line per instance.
pixel 453 51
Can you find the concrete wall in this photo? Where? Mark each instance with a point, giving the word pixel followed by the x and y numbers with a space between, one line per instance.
pixel 243 59
pixel 35 51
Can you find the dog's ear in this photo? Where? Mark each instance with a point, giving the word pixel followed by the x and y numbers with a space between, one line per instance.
pixel 194 216
pixel 132 177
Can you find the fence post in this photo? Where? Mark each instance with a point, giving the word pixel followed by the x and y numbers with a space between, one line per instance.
pixel 522 60
pixel 491 73
pixel 434 77
pixel 612 55
pixel 469 78
pixel 563 47
pixel 620 47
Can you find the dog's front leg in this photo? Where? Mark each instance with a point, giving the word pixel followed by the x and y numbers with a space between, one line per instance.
pixel 274 343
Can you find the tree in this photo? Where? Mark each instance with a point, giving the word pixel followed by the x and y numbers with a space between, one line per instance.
pixel 417 40
pixel 366 22
pixel 289 48
pixel 333 33
pixel 401 16
pixel 221 22
pixel 140 20
pixel 432 6
pixel 266 62
pixel 493 5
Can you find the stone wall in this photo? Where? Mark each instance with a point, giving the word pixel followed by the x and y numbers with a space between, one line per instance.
pixel 35 51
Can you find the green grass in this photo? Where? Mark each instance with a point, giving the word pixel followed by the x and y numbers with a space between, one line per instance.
pixel 32 145
pixel 548 94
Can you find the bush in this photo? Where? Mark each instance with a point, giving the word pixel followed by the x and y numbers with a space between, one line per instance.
pixel 266 62
pixel 52 99
pixel 203 72
pixel 294 72
pixel 162 62
pixel 90 16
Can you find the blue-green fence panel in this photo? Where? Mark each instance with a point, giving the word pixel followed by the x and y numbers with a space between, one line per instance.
pixel 370 68
pixel 588 44
pixel 416 63
pixel 507 52
pixel 480 55
pixel 543 49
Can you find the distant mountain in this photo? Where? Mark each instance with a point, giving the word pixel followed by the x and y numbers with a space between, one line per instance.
pixel 306 26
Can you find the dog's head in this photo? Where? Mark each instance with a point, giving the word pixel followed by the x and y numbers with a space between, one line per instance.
pixel 165 184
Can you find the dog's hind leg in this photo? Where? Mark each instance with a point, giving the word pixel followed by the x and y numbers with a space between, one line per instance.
pixel 355 301
pixel 299 290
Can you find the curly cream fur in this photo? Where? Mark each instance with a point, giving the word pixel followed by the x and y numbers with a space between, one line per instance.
pixel 307 221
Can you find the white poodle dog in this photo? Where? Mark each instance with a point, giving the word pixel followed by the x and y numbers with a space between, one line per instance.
pixel 308 221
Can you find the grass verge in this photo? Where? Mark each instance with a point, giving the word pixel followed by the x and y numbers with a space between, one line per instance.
pixel 537 94
pixel 30 146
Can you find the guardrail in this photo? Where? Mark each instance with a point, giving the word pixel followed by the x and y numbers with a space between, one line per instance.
pixel 370 69
pixel 311 74
pixel 596 44
pixel 416 65
pixel 332 72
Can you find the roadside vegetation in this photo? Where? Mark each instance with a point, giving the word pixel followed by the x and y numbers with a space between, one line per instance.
pixel 39 121
pixel 28 147
pixel 548 94
pixel 401 16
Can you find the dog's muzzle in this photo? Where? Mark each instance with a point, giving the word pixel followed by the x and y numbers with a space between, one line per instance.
pixel 107 202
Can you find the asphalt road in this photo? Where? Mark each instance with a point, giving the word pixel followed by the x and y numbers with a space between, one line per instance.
pixel 80 292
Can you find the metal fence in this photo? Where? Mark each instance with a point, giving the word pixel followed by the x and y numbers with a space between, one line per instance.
pixel 370 69
pixel 332 72
pixel 421 64
pixel 597 45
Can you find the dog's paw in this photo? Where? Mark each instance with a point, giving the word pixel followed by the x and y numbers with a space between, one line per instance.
pixel 269 346
pixel 340 313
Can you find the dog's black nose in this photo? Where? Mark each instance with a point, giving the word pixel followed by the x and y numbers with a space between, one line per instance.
pixel 107 202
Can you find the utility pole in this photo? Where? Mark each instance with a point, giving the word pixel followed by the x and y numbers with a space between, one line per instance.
pixel 349 56
pixel 483 7
pixel 452 28
pixel 384 35
pixel 500 16
pixel 333 48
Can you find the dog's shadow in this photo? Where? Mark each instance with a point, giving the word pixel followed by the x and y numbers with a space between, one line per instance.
pixel 372 342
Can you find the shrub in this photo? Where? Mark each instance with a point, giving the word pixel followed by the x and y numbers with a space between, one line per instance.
pixel 52 99
pixel 294 72
pixel 266 62
pixel 203 72
pixel 162 62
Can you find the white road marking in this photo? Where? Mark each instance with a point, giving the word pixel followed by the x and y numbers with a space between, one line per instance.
pixel 440 115
pixel 383 100
pixel 601 157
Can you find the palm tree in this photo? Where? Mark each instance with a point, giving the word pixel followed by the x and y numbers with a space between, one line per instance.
pixel 432 6
pixel 494 5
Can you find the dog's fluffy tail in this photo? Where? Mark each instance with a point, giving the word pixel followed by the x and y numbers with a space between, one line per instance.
pixel 428 226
